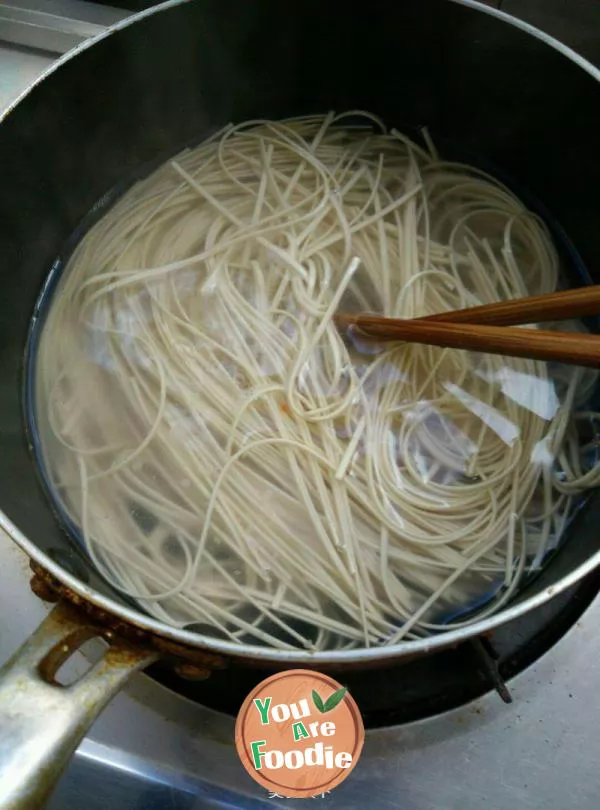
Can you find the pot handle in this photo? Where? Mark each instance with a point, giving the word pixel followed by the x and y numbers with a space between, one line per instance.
pixel 42 721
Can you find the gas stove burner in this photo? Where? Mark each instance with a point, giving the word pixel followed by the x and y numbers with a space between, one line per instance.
pixel 414 690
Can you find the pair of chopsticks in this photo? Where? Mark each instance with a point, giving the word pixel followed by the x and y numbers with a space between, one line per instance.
pixel 491 328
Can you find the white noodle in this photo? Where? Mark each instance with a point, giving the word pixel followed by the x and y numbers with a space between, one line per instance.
pixel 238 466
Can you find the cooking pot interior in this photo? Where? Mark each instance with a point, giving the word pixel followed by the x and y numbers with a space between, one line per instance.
pixel 482 86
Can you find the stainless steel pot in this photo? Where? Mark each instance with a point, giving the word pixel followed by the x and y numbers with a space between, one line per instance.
pixel 165 78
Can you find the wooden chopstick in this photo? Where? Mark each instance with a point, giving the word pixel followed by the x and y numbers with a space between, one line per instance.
pixel 574 348
pixel 488 328
pixel 578 303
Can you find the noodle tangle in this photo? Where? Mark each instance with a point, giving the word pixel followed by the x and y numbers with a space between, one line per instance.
pixel 237 466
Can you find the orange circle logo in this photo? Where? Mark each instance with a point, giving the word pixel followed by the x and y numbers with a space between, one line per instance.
pixel 299 734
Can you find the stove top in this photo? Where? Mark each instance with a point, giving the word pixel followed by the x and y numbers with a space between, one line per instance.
pixel 505 721
pixel 154 748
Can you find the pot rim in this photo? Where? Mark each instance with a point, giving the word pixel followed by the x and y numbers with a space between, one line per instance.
pixel 272 655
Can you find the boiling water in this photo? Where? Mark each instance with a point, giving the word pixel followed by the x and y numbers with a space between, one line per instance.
pixel 234 464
